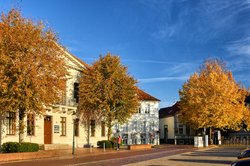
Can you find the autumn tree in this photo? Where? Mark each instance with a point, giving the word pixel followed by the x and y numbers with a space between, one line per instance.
pixel 108 89
pixel 211 98
pixel 32 68
pixel 246 116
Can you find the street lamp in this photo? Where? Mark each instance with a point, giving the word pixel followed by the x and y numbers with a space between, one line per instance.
pixel 73 143
pixel 117 133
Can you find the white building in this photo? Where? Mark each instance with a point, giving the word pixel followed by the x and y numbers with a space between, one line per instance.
pixel 55 127
pixel 142 127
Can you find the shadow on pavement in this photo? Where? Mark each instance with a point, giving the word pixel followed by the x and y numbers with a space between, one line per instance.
pixel 214 154
pixel 202 161
pixel 218 152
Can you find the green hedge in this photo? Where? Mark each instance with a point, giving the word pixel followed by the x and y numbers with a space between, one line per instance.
pixel 12 147
pixel 108 144
pixel 28 147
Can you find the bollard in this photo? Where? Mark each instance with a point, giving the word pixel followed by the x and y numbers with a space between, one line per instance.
pixel 104 146
pixel 90 147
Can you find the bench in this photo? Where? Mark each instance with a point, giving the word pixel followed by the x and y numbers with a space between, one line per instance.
pixel 139 146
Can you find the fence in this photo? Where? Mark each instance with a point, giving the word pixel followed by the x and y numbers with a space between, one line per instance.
pixel 234 139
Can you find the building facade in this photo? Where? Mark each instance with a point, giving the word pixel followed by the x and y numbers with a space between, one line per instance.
pixel 172 131
pixel 143 126
pixel 57 125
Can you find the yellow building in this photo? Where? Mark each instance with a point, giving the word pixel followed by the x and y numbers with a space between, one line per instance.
pixel 172 131
pixel 55 128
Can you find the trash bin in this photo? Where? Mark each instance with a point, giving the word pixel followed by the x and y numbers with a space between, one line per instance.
pixel 198 142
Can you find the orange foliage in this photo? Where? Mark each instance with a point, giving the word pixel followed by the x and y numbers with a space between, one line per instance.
pixel 212 98
pixel 32 69
pixel 106 86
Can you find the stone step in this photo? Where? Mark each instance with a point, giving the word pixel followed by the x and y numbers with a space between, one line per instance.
pixel 55 146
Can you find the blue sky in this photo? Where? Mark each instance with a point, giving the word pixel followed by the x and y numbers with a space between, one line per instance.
pixel 162 42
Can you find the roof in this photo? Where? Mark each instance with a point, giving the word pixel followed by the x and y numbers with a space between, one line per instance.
pixel 169 111
pixel 145 96
pixel 78 60
pixel 83 63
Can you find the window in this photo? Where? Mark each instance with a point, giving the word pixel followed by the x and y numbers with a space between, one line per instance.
pixel 63 126
pixel 152 126
pixel 125 128
pixel 76 127
pixel 176 131
pixel 148 109
pixel 63 98
pixel 181 129
pixel 143 127
pixel 11 123
pixel 92 128
pixel 134 127
pixel 103 129
pixel 187 130
pixel 139 110
pixel 76 92
pixel 31 124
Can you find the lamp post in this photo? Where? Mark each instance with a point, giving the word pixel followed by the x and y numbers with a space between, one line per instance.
pixel 73 143
pixel 117 132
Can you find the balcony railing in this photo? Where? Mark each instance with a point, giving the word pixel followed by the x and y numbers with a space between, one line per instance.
pixel 67 102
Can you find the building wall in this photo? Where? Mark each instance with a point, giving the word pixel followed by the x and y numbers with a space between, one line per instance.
pixel 142 127
pixel 177 133
pixel 65 108
pixel 169 123
pixel 38 137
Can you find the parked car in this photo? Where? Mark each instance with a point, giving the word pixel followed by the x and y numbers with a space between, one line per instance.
pixel 241 162
pixel 244 154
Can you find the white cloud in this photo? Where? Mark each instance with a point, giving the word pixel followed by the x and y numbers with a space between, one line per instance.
pixel 162 79
pixel 240 47
pixel 180 68
pixel 170 71
pixel 165 32
pixel 159 62
pixel 201 21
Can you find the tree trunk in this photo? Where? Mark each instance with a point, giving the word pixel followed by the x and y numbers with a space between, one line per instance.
pixel 204 138
pixel 109 129
pixel 21 124
pixel 210 135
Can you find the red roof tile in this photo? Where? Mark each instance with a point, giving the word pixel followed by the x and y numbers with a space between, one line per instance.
pixel 145 96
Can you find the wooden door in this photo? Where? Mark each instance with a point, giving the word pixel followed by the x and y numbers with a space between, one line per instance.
pixel 47 130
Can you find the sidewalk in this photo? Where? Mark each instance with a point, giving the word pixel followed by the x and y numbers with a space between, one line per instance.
pixel 211 156
pixel 62 153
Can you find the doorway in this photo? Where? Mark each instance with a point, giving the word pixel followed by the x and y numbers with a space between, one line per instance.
pixel 47 130
pixel 166 133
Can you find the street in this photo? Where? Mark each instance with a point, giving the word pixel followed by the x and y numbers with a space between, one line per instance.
pixel 121 157
pixel 169 155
